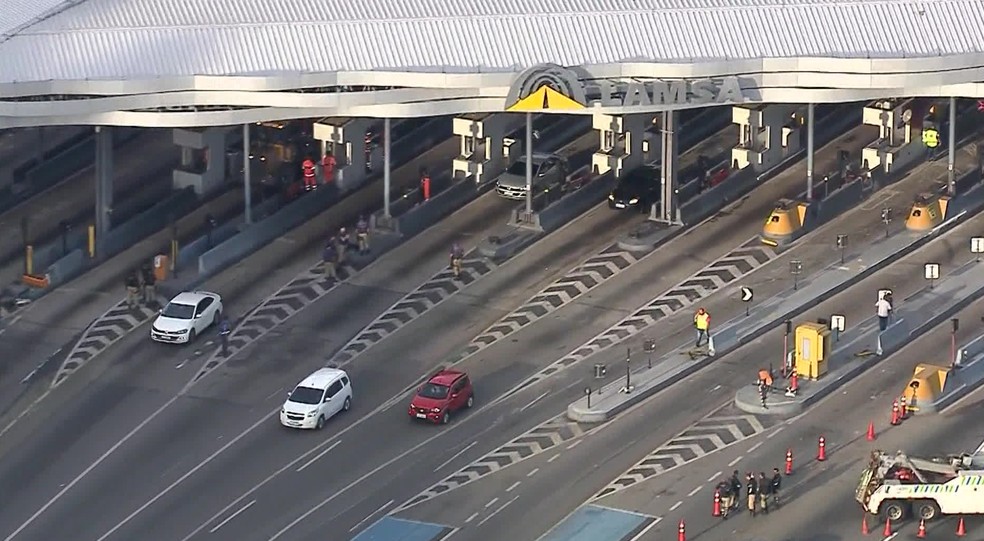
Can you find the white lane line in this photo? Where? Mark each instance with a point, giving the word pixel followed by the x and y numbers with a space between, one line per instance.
pixel 232 516
pixel 78 478
pixel 533 472
pixel 772 434
pixel 471 518
pixel 639 535
pixel 695 491
pixel 273 394
pixel 456 455
pixel 448 535
pixel 534 401
pixel 319 455
pixel 676 506
pixel 370 515
pixel 555 457
pixel 496 512
pixel 893 536
pixel 715 477
pixel 735 461
pixel 756 446
pixel 513 486
pixel 491 502
pixel 573 445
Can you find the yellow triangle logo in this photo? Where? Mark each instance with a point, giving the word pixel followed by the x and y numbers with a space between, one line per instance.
pixel 545 99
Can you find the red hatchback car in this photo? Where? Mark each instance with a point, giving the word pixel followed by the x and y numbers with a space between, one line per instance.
pixel 444 393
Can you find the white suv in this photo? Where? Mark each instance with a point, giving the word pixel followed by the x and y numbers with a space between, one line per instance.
pixel 316 399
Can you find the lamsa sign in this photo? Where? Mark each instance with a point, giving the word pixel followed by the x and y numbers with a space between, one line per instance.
pixel 551 87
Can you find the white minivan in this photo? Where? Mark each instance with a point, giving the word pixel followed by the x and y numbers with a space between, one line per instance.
pixel 316 399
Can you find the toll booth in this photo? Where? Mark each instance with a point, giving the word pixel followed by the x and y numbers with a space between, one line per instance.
pixel 925 388
pixel 768 134
pixel 812 350
pixel 203 158
pixel 927 212
pixel 897 144
pixel 352 141
pixel 486 150
pixel 623 143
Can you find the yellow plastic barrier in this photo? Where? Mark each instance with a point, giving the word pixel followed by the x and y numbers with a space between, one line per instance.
pixel 925 387
pixel 785 222
pixel 927 212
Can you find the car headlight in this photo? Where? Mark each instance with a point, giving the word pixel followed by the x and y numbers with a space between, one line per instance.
pixel 311 414
pixel 611 197
pixel 183 331
pixel 633 201
pixel 436 410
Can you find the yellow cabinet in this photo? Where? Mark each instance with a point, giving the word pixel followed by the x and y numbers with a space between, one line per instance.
pixel 812 348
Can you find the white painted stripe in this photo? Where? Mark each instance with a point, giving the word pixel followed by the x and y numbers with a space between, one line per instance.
pixel 533 472
pixel 695 491
pixel 534 401
pixel 232 516
pixel 714 477
pixel 496 512
pixel 319 455
pixel 513 486
pixel 456 455
pixel 370 515
pixel 491 502
pixel 642 532
pixel 735 461
pixel 756 446
pixel 676 506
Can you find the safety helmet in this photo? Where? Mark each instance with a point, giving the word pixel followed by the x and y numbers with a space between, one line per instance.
pixel 342 231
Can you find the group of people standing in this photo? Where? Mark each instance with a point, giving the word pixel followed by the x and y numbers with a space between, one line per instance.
pixel 141 287
pixel 337 247
pixel 758 492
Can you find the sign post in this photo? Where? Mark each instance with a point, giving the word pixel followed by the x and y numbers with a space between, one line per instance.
pixel 837 324
pixel 977 247
pixel 746 297
pixel 932 273
pixel 842 245
pixel 795 268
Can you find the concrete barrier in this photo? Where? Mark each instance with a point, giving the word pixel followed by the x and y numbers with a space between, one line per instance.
pixel 449 200
pixel 189 251
pixel 153 219
pixel 66 268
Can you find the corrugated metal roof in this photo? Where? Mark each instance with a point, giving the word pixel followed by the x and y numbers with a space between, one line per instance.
pixel 121 39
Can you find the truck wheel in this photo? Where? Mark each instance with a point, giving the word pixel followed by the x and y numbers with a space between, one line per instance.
pixel 894 510
pixel 927 510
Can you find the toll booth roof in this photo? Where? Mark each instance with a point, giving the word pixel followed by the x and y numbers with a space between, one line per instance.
pixel 785 204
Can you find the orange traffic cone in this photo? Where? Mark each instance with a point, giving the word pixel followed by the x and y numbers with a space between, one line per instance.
pixel 961 529
pixel 888 527
pixel 682 531
pixel 789 461
pixel 822 449
pixel 864 525
pixel 871 431
pixel 896 420
pixel 922 528
pixel 716 511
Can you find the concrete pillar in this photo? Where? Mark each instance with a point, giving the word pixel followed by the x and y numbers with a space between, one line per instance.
pixel 104 181
pixel 951 144
pixel 387 144
pixel 668 211
pixel 529 164
pixel 767 135
pixel 247 181
pixel 809 152
pixel 896 144
pixel 621 143
pixel 203 158
pixel 346 141
pixel 486 149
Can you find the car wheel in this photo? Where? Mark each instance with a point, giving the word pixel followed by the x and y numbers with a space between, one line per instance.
pixel 446 418
pixel 216 317
pixel 471 401
pixel 191 335
pixel 321 422
pixel 347 404
pixel 894 510
pixel 927 510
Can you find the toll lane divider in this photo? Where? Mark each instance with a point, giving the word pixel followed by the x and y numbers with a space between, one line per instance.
pixel 962 380
pixel 916 315
pixel 766 316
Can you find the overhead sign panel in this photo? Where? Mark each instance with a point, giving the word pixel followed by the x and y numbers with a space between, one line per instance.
pixel 545 99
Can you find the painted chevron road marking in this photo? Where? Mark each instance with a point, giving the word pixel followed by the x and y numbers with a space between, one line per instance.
pixel 737 263
pixel 276 309
pixel 586 276
pixel 540 439
pixel 418 302
pixel 105 331
pixel 726 426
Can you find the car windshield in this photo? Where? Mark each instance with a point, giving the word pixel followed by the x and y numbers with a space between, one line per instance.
pixel 518 168
pixel 178 311
pixel 306 395
pixel 433 390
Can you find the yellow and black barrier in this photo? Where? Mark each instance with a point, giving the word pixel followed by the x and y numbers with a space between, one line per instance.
pixel 927 212
pixel 787 222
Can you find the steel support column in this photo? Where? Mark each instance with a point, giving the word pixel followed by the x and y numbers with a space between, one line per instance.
pixel 809 152
pixel 951 144
pixel 104 180
pixel 668 169
pixel 387 142
pixel 529 164
pixel 247 176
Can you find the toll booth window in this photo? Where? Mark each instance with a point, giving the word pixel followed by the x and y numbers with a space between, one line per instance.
pixel 774 219
pixel 609 139
pixel 469 145
pixel 916 213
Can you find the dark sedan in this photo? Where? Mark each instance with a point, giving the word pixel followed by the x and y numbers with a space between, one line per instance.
pixel 639 189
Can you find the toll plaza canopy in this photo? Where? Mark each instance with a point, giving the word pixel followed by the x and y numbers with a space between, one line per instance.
pixel 222 62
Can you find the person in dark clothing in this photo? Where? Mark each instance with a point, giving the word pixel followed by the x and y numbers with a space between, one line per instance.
pixel 765 490
pixel 362 235
pixel 735 489
pixel 132 284
pixel 225 329
pixel 776 485
pixel 329 258
pixel 727 497
pixel 752 490
pixel 149 285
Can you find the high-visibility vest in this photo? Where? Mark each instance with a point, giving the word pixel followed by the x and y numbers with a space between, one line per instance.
pixel 702 321
pixel 931 138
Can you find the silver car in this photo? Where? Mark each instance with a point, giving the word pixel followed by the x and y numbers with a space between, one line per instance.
pixel 549 170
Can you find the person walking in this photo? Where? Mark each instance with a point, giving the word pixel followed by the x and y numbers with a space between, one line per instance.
pixel 884 309
pixel 776 484
pixel 149 285
pixel 765 490
pixel 457 254
pixel 735 489
pixel 702 322
pixel 132 284
pixel 225 329
pixel 344 243
pixel 752 490
pixel 362 235
pixel 329 259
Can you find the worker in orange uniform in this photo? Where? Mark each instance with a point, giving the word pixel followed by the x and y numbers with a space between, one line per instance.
pixel 328 164
pixel 425 185
pixel 702 322
pixel 310 177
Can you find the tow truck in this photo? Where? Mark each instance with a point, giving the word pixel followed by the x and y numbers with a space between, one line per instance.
pixel 898 486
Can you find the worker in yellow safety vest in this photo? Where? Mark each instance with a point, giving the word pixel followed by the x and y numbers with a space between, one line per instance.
pixel 931 137
pixel 702 321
